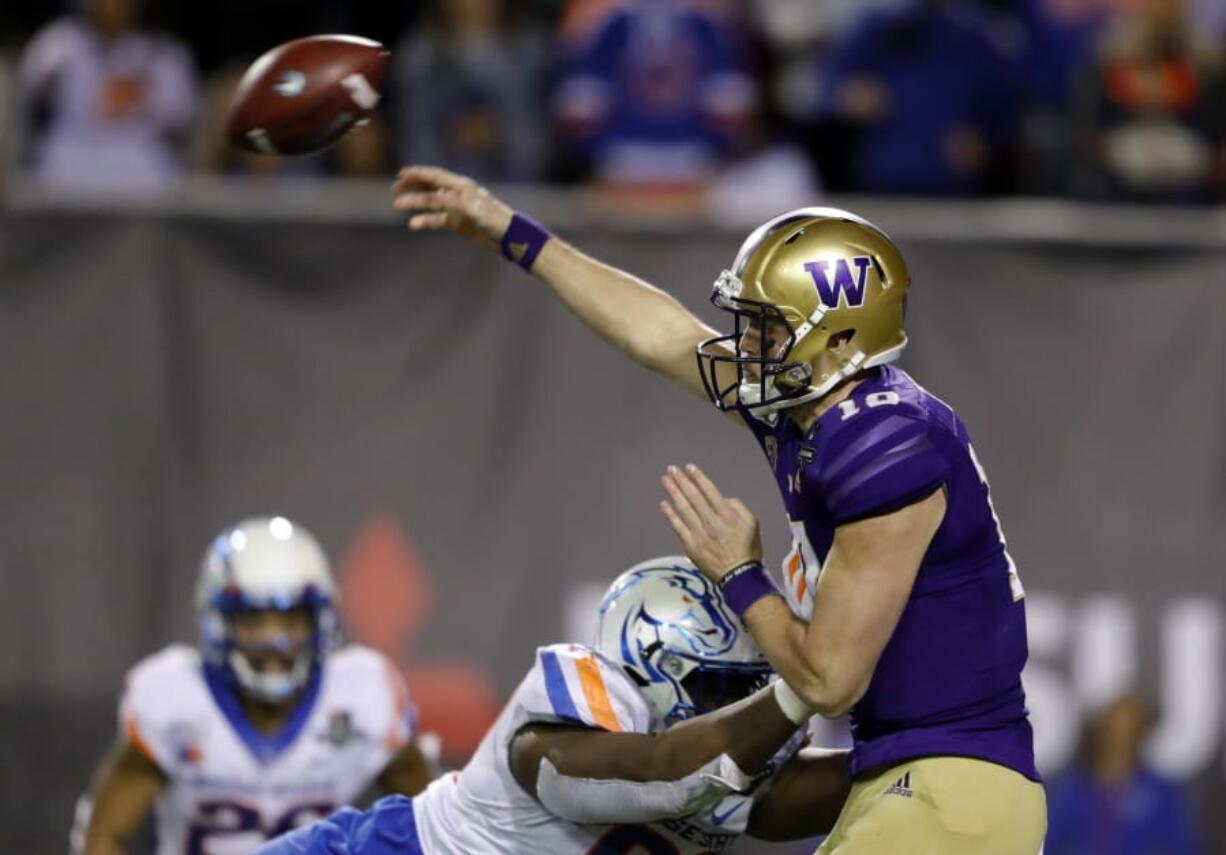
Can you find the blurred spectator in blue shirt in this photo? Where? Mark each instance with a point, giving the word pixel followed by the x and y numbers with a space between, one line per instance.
pixel 1060 38
pixel 654 92
pixel 110 104
pixel 470 91
pixel 931 98
pixel 1152 113
pixel 799 33
pixel 1110 803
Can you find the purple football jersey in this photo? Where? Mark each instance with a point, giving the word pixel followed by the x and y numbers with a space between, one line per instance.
pixel 949 679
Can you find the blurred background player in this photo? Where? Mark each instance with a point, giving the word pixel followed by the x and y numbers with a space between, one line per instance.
pixel 1151 111
pixel 942 132
pixel 265 727
pixel 109 103
pixel 654 94
pixel 473 84
pixel 897 555
pixel 619 748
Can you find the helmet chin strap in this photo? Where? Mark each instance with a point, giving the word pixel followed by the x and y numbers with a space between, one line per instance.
pixel 271 688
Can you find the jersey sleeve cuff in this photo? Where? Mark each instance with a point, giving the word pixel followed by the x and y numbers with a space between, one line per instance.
pixel 851 514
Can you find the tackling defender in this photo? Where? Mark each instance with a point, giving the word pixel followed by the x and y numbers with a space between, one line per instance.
pixel 270 728
pixel 617 749
pixel 905 607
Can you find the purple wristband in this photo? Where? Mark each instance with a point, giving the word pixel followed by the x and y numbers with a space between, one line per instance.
pixel 523 241
pixel 745 585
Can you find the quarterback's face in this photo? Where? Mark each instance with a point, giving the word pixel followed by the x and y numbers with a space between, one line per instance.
pixel 763 338
pixel 272 639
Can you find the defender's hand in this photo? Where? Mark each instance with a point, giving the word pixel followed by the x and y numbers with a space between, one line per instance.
pixel 441 199
pixel 719 534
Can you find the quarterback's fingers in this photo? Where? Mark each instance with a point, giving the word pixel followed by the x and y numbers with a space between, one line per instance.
pixel 407 180
pixel 696 497
pixel 426 201
pixel 681 502
pixel 675 521
pixel 705 485
pixel 429 176
pixel 419 222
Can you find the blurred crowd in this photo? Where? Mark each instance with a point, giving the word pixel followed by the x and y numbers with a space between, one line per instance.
pixel 758 102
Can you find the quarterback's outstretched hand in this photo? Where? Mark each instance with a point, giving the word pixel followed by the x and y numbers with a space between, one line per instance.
pixel 719 534
pixel 441 199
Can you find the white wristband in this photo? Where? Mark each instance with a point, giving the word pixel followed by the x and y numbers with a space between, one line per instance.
pixel 792 705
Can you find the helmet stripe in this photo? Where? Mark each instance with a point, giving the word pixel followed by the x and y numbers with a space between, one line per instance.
pixel 908 450
pixel 887 429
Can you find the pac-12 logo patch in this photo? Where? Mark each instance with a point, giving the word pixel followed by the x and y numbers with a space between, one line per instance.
pixel 185 742
pixel 341 730
pixel 835 280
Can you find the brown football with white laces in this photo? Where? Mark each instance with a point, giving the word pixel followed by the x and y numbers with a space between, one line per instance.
pixel 304 95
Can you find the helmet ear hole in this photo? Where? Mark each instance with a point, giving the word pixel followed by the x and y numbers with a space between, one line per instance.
pixel 881 274
pixel 840 339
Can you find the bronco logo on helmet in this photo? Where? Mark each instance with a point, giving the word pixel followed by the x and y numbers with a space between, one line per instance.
pixel 670 630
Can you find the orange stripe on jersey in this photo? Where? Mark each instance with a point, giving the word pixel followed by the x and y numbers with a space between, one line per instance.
pixel 138 741
pixel 596 694
pixel 796 576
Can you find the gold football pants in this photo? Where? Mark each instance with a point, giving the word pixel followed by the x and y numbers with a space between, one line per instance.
pixel 941 806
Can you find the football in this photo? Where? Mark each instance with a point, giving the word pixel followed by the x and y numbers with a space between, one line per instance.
pixel 304 95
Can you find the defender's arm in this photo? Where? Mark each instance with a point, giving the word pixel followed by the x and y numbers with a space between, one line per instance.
pixel 804 798
pixel 645 323
pixel 674 773
pixel 407 773
pixel 125 787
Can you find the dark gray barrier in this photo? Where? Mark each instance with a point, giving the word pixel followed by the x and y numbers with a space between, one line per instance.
pixel 478 464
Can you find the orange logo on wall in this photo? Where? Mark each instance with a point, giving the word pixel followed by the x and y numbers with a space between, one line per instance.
pixel 387 599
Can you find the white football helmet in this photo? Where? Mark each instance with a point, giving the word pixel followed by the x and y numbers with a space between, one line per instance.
pixel 264 563
pixel 669 628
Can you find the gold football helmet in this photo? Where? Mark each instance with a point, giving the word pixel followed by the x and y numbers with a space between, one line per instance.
pixel 811 275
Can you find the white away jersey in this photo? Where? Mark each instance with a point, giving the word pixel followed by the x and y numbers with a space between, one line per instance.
pixel 230 788
pixel 482 810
